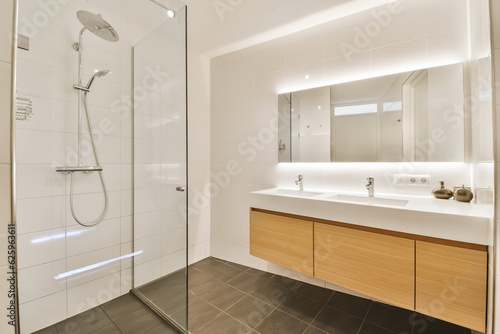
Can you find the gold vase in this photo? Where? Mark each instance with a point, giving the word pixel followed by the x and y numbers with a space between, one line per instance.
pixel 442 192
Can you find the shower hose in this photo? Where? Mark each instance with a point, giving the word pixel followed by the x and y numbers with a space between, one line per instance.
pixel 105 210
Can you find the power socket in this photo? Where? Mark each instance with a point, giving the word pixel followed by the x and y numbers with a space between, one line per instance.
pixel 418 180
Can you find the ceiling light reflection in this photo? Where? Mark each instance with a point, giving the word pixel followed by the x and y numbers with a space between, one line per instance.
pixel 96 265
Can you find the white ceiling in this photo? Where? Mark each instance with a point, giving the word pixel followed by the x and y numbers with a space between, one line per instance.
pixel 217 27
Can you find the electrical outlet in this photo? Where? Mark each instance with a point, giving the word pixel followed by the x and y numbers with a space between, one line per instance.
pixel 418 180
pixel 400 180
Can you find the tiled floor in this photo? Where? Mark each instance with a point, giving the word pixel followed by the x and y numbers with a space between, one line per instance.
pixel 126 314
pixel 227 298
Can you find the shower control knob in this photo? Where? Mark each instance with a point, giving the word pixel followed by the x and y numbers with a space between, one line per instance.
pixel 182 189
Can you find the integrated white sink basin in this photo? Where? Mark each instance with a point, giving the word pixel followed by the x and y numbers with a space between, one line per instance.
pixel 298 193
pixel 420 215
pixel 369 200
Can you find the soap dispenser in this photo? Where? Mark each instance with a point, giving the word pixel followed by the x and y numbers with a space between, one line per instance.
pixel 442 192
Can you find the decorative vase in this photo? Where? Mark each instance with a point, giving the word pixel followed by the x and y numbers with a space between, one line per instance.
pixel 442 192
pixel 463 194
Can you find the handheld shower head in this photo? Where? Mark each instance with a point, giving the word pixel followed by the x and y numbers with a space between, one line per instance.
pixel 97 74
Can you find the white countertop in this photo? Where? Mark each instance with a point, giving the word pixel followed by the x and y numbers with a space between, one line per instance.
pixel 422 215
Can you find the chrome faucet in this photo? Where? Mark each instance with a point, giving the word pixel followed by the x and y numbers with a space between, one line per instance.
pixel 299 182
pixel 370 186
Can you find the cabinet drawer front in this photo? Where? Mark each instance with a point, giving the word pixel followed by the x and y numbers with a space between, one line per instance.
pixel 376 265
pixel 282 240
pixel 451 284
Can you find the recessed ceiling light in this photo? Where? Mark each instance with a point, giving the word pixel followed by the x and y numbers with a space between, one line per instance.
pixel 170 13
pixel 307 77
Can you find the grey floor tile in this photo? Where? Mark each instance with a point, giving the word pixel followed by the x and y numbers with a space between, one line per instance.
pixel 259 273
pixel 281 323
pixel 391 318
pixel 217 259
pixel 48 330
pixel 332 320
pixel 289 283
pixel 246 282
pixel 207 265
pixel 353 305
pixel 427 325
pixel 224 324
pixel 86 322
pixel 162 329
pixel 317 293
pixel 250 311
pixel 171 301
pixel 238 266
pixel 368 328
pixel 225 273
pixel 223 296
pixel 202 283
pixel 200 313
pixel 180 317
pixel 313 330
pixel 159 287
pixel 109 329
pixel 138 322
pixel 301 307
pixel 121 306
pixel 272 294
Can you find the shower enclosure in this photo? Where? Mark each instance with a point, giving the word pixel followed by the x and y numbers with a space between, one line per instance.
pixel 101 164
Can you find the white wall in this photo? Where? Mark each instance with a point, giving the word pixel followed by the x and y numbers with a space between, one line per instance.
pixel 244 92
pixel 6 28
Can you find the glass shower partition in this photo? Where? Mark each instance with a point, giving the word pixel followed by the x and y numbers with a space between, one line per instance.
pixel 160 170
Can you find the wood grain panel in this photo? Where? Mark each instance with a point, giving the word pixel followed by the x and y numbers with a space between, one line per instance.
pixel 282 240
pixel 381 231
pixel 376 265
pixel 451 284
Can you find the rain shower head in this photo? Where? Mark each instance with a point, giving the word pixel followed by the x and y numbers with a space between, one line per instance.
pixel 97 74
pixel 97 25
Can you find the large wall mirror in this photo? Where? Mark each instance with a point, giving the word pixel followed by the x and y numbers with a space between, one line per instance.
pixel 411 116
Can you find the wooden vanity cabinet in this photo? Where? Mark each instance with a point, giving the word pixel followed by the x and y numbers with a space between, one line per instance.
pixel 443 279
pixel 377 265
pixel 451 283
pixel 282 240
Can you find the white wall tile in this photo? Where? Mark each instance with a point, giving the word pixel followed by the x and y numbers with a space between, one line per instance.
pixel 92 265
pixel 45 283
pixel 305 52
pixel 343 69
pixel 146 272
pixel 39 214
pixel 94 201
pixel 43 312
pixel 402 27
pixel 399 58
pixel 305 77
pixel 40 247
pixel 89 295
pixel 446 16
pixel 81 240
